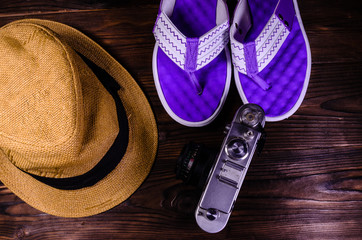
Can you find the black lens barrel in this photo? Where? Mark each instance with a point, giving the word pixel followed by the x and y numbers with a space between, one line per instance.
pixel 194 164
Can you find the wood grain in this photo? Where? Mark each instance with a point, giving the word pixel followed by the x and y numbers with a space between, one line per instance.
pixel 307 183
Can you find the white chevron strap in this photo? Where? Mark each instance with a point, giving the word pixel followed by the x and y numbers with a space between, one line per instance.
pixel 237 52
pixel 269 41
pixel 212 43
pixel 173 43
pixel 267 45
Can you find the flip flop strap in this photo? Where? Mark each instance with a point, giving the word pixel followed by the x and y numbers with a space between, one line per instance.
pixel 190 54
pixel 251 58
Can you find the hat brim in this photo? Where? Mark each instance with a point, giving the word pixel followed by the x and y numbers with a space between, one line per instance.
pixel 131 171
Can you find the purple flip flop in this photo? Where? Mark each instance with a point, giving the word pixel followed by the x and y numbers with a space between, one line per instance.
pixel 191 61
pixel 271 55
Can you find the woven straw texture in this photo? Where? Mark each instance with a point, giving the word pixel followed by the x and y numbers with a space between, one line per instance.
pixel 57 120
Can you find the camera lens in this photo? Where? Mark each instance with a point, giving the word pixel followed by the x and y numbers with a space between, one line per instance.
pixel 194 164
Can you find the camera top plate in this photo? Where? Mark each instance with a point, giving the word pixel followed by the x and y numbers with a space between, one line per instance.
pixel 228 172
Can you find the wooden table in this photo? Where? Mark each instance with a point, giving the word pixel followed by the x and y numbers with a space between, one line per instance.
pixel 307 184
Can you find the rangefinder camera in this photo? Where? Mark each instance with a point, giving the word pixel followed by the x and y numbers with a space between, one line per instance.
pixel 221 173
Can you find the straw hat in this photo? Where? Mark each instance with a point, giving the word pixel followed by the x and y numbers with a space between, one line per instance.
pixel 77 135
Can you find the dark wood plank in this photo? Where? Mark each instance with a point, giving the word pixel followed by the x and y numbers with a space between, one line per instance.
pixel 36 7
pixel 307 183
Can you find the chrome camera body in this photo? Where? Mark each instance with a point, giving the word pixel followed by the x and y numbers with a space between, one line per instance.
pixel 224 171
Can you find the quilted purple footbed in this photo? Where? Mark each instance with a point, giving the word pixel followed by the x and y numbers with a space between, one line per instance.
pixel 193 18
pixel 286 72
